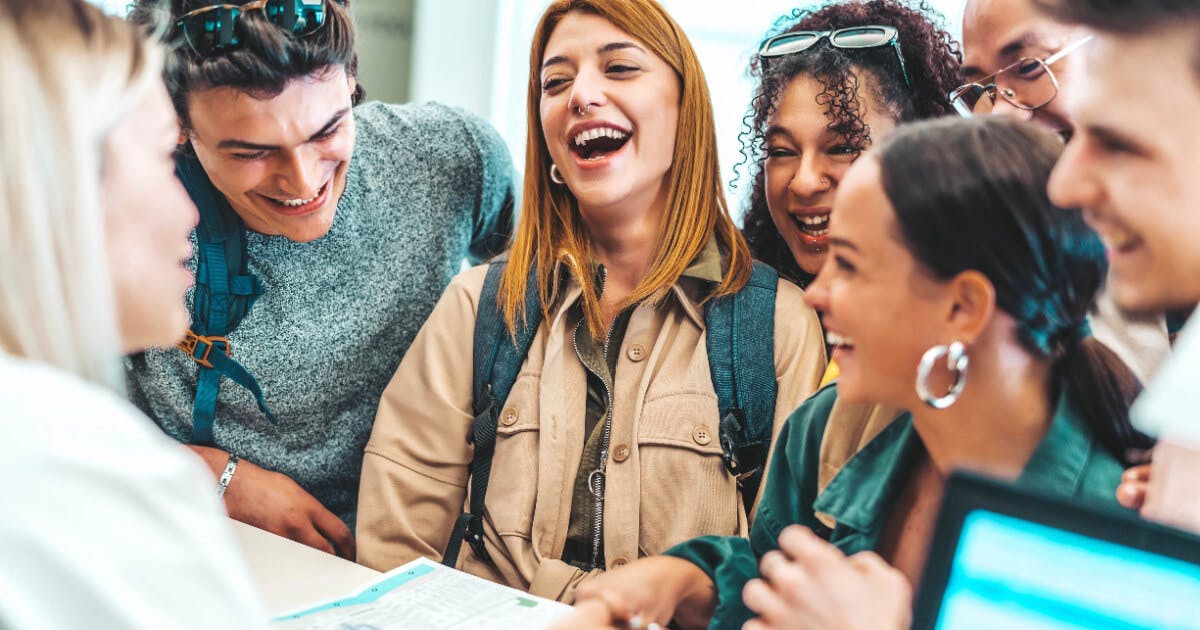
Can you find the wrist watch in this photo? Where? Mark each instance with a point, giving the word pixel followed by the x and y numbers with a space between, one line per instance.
pixel 227 475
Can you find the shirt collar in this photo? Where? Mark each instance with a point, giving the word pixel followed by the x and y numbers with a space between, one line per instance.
pixel 860 495
pixel 705 268
pixel 704 273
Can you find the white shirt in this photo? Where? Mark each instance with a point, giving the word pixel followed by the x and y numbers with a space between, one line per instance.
pixel 104 521
pixel 1170 406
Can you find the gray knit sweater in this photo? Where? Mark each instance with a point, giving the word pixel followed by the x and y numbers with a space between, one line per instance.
pixel 427 186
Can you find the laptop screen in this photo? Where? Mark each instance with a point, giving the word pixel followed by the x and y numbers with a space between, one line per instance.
pixel 1013 573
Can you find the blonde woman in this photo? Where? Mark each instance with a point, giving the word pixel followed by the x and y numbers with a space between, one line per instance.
pixel 107 524
pixel 608 445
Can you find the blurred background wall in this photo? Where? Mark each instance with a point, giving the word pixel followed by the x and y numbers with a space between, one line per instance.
pixel 474 54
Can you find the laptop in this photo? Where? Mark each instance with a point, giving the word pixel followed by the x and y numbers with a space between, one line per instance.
pixel 1011 558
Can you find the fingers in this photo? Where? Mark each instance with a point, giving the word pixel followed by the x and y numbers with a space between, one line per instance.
pixel 306 534
pixel 762 598
pixel 590 613
pixel 1132 494
pixel 334 530
pixel 615 608
pixel 801 545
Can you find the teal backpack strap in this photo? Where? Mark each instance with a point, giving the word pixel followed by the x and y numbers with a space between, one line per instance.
pixel 224 293
pixel 498 357
pixel 741 357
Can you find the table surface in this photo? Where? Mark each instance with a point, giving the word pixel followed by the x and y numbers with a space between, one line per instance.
pixel 291 576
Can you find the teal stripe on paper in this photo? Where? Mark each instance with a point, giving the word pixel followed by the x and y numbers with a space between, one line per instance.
pixel 372 593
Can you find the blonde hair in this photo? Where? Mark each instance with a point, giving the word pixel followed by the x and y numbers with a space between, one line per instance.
pixel 552 230
pixel 68 74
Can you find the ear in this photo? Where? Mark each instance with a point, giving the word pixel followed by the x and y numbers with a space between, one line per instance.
pixel 973 302
pixel 352 83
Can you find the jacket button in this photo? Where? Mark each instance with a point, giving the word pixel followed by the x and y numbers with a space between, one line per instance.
pixel 701 435
pixel 636 352
pixel 619 562
pixel 620 453
pixel 508 417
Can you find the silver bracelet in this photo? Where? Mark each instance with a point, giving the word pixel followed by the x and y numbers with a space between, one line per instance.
pixel 227 475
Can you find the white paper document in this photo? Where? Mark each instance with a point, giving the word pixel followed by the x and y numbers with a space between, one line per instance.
pixel 426 595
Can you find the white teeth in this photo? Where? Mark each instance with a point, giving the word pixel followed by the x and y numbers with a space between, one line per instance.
pixel 814 220
pixel 835 339
pixel 293 203
pixel 584 137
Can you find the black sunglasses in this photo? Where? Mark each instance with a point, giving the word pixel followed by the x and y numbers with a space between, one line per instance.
pixel 214 29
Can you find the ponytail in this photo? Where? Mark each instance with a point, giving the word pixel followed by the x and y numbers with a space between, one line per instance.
pixel 1102 387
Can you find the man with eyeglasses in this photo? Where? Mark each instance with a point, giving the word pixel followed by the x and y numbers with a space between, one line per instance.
pixel 1131 167
pixel 1015 62
pixel 1018 62
pixel 328 228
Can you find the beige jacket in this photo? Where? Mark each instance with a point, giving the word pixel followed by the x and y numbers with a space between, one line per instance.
pixel 665 482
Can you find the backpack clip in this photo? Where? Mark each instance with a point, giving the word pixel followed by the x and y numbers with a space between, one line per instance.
pixel 200 347
pixel 743 460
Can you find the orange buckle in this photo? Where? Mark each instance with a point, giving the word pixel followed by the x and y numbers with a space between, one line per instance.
pixel 192 341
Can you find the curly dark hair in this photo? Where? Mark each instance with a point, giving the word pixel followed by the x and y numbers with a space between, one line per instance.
pixel 934 63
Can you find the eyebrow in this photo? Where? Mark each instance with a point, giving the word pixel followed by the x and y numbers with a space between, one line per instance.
pixel 607 48
pixel 776 130
pixel 233 143
pixel 841 242
pixel 1009 50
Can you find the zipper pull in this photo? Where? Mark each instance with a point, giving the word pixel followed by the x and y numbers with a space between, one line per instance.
pixel 595 482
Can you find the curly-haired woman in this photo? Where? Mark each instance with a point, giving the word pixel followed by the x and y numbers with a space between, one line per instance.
pixel 832 81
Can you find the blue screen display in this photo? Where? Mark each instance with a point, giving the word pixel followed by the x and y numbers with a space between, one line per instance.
pixel 1009 573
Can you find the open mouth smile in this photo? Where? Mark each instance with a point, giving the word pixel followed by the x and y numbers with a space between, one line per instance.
pixel 598 142
pixel 812 225
pixel 294 207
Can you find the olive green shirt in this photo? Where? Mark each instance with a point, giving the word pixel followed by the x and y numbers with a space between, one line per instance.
pixel 1068 461
pixel 601 367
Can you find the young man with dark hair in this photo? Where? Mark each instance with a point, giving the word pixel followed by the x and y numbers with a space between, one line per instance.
pixel 1131 167
pixel 353 219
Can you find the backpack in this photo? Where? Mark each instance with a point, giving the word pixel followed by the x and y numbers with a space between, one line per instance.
pixel 741 354
pixel 224 293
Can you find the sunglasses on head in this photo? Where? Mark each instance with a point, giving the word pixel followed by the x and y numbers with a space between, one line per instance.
pixel 848 38
pixel 213 29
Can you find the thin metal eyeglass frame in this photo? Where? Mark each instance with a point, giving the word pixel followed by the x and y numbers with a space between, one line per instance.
pixel 988 84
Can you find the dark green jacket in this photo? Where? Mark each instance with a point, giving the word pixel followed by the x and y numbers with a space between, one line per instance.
pixel 1068 461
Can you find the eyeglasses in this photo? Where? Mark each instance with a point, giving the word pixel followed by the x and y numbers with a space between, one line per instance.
pixel 850 38
pixel 214 29
pixel 1026 84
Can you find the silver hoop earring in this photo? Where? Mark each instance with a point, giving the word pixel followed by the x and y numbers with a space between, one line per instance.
pixel 555 176
pixel 956 362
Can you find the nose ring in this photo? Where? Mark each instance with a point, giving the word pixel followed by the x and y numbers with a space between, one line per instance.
pixel 583 110
pixel 826 184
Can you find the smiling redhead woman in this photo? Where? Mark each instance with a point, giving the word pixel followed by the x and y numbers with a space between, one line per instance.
pixel 608 445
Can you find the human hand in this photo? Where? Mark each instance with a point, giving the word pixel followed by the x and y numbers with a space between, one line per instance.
pixel 1172 494
pixel 272 501
pixel 645 594
pixel 1131 492
pixel 809 584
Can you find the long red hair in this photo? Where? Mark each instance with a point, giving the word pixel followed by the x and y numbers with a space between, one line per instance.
pixel 551 228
